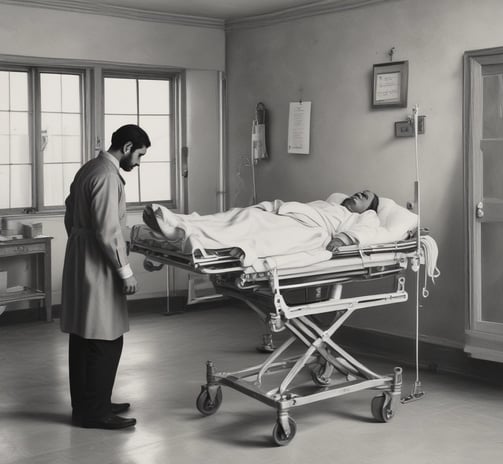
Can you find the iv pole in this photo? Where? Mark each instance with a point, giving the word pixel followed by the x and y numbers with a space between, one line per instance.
pixel 417 391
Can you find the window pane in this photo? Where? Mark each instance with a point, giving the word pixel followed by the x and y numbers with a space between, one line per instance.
pixel 19 140
pixel 4 149
pixel 113 122
pixel 157 128
pixel 19 123
pixel 120 96
pixel 19 91
pixel 70 93
pixel 20 188
pixel 4 138
pixel 53 151
pixel 53 184
pixel 4 122
pixel 71 148
pixel 61 126
pixel 4 90
pixel 155 181
pixel 132 192
pixel 51 123
pixel 70 124
pixel 4 186
pixel 69 171
pixel 50 92
pixel 154 96
pixel 19 149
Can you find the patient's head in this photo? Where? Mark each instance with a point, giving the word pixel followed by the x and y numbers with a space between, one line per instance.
pixel 361 202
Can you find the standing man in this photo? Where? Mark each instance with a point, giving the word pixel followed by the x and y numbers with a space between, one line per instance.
pixel 96 279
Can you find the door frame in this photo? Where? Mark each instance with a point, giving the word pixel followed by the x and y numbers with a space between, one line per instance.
pixel 483 339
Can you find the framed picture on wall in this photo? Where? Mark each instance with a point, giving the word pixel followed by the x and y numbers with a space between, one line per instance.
pixel 390 82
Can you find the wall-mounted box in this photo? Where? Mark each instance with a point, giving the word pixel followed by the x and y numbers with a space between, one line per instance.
pixel 406 128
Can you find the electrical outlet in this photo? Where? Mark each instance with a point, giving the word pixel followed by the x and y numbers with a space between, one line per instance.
pixel 406 128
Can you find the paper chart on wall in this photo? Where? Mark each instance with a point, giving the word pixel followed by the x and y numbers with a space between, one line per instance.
pixel 299 127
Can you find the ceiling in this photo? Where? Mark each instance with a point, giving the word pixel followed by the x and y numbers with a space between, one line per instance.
pixel 218 9
pixel 211 13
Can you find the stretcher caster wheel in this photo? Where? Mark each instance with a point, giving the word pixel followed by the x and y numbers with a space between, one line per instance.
pixel 319 376
pixel 280 437
pixel 207 405
pixel 381 409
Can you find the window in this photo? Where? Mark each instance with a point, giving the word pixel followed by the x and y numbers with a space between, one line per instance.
pixel 61 134
pixel 15 157
pixel 146 102
pixel 46 130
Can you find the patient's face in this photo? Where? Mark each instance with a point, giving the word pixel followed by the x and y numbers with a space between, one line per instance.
pixel 359 202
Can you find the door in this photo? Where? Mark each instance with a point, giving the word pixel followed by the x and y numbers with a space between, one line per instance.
pixel 484 162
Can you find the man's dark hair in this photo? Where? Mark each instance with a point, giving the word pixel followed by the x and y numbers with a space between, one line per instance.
pixel 374 204
pixel 130 133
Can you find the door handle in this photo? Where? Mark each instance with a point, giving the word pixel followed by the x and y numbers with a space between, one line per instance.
pixel 479 210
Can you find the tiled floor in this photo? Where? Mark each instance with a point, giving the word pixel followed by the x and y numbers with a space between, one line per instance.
pixel 163 365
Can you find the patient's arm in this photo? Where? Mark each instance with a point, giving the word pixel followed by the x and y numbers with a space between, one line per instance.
pixel 340 239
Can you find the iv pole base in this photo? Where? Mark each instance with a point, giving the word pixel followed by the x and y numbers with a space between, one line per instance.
pixel 416 394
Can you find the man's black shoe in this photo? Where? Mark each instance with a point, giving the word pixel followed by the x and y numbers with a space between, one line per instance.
pixel 111 422
pixel 117 408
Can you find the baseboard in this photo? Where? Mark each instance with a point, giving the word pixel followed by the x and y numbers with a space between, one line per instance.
pixel 175 304
pixel 432 357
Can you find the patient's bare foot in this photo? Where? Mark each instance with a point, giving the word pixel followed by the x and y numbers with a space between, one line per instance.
pixel 149 219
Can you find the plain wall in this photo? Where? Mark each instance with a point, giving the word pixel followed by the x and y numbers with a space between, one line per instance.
pixel 328 60
pixel 35 32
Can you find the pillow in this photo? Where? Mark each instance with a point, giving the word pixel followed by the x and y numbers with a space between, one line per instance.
pixel 397 220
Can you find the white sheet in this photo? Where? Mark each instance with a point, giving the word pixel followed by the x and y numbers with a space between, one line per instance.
pixel 292 233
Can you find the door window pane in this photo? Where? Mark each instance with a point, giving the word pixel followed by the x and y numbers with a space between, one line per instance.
pixel 492 113
pixel 492 272
pixel 492 166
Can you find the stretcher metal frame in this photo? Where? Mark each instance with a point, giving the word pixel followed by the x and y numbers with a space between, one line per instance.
pixel 334 372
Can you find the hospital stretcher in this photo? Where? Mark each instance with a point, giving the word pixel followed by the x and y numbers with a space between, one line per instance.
pixel 294 299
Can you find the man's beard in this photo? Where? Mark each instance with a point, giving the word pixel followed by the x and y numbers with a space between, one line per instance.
pixel 125 163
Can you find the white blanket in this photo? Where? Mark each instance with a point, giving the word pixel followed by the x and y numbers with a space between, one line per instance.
pixel 291 234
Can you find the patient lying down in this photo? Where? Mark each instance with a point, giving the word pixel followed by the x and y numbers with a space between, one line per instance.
pixel 277 228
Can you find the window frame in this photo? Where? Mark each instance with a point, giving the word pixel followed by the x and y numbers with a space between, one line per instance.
pixel 139 74
pixel 92 101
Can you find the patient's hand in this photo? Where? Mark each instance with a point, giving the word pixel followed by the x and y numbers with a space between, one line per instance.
pixel 335 243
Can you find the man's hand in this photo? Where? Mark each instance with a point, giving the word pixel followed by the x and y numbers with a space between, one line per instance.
pixel 129 285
